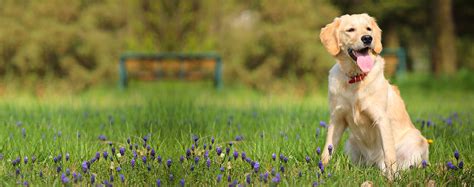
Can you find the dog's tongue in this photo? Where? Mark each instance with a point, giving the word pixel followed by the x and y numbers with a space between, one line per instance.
pixel 365 62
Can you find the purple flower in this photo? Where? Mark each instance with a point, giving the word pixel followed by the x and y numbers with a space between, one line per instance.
pixel 282 156
pixel 456 154
pixel 17 171
pixel 229 178
pixel 41 174
pixel 144 159
pixel 67 156
pixel 330 149
pixel 450 165
pixel 133 162
pixel 193 147
pixel 119 169
pixel 248 179
pixel 105 154
pixel 196 159
pixel 113 150
pixel 191 168
pixel 102 137
pixel 64 179
pixel 206 154
pixel 300 174
pixel 212 140
pixel 321 166
pixel 244 155
pixel 25 160
pixel 315 183
pixel 424 164
pixel 55 159
pixel 26 183
pixel 148 168
pixel 318 151
pixel 222 169
pixel 188 153
pixel 429 123
pixel 181 159
pixel 128 141
pixel 33 159
pixel 322 124
pixel 122 151
pixel 218 151
pixel 273 156
pixel 231 144
pixel 84 166
pixel 461 164
pixel 256 167
pixel 195 138
pixel 159 159
pixel 208 163
pixel 92 178
pixel 68 172
pixel 168 162
pixel 265 177
pixel 153 153
pixel 145 138
pixel 236 155
pixel 308 159
pixel 219 178
pixel 158 182
pixel 285 159
pixel 227 150
pixel 58 169
pixel 134 152
pixel 277 178
pixel 122 178
pixel 181 182
pixel 74 176
pixel 238 138
pixel 282 169
pixel 171 177
pixel 273 171
pixel 204 146
pixel 97 156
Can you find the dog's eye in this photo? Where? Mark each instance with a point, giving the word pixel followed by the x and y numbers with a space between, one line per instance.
pixel 350 30
pixel 369 29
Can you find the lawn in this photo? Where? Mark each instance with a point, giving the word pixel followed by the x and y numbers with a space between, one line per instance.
pixel 171 133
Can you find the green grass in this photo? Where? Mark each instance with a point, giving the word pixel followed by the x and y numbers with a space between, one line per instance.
pixel 172 113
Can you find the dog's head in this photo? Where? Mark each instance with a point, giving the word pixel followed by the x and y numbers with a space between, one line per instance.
pixel 356 37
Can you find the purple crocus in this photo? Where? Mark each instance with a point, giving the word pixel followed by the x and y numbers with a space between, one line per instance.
pixel 92 178
pixel 222 169
pixel 133 162
pixel 158 182
pixel 321 166
pixel 25 160
pixel 113 150
pixel 64 179
pixel 188 153
pixel 315 183
pixel 122 178
pixel 236 155
pixel 282 169
pixel 285 159
pixel 265 177
pixel 456 154
pixel 168 162
pixel 55 159
pixel 193 147
pixel 68 172
pixel 181 159
pixel 277 178
pixel 191 168
pixel 58 169
pixel 196 159
pixel 239 138
pixel 33 159
pixel 322 124
pixel 461 164
pixel 67 156
pixel 105 154
pixel 204 146
pixel 128 141
pixel 102 137
pixel 122 151
pixel 206 154
pixel 171 177
pixel 244 155
pixel 208 163
pixel 153 153
pixel 219 178
pixel 330 149
pixel 159 159
pixel 181 182
pixel 256 167
pixel 318 151
pixel 74 177
pixel 273 156
pixel 84 166
pixel 134 152
pixel 227 150
pixel 144 159
pixel 282 156
pixel 218 151
pixel 424 164
pixel 450 165
pixel 195 139
pixel 97 155
pixel 248 179
pixel 119 169
pixel 212 140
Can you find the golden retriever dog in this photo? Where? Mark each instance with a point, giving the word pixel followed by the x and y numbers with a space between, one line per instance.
pixel 361 99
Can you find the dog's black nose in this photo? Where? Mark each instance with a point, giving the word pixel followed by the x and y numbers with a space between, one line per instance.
pixel 366 39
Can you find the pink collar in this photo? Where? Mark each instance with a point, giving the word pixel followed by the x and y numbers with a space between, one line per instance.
pixel 357 78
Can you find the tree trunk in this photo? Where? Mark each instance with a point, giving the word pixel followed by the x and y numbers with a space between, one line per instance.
pixel 443 52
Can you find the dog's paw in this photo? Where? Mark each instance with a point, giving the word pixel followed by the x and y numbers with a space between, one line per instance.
pixel 325 158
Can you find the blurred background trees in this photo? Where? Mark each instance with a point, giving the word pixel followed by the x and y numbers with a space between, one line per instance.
pixel 265 44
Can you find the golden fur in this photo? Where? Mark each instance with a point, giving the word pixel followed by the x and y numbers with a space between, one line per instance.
pixel 382 133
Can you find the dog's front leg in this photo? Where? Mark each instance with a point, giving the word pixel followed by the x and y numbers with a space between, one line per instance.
pixel 335 130
pixel 388 146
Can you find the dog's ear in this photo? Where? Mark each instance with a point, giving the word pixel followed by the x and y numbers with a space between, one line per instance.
pixel 329 38
pixel 377 36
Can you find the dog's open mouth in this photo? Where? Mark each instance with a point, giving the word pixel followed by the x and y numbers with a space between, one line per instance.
pixel 363 57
